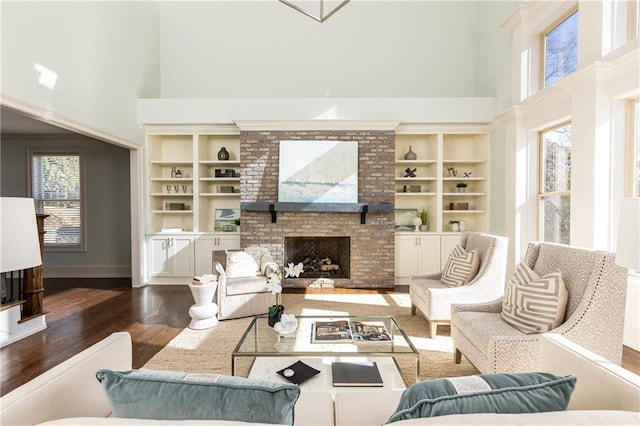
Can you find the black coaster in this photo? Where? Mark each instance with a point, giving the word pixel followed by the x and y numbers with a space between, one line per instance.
pixel 298 372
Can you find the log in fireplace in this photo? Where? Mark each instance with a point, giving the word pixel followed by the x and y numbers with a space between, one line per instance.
pixel 322 257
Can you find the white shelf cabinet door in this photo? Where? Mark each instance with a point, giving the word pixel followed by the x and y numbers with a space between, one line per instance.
pixel 206 244
pixel 171 256
pixel 448 243
pixel 428 254
pixel 416 255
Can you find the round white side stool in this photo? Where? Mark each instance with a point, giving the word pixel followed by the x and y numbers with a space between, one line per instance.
pixel 204 313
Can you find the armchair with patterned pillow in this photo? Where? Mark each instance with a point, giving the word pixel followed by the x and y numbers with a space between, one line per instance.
pixel 576 292
pixel 474 273
pixel 242 281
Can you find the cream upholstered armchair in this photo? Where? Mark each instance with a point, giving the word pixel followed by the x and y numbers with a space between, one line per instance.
pixel 593 318
pixel 433 298
pixel 242 281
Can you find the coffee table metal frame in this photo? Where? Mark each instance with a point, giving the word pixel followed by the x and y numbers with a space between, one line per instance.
pixel 260 340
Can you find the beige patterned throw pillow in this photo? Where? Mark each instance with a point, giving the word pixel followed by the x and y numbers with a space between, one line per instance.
pixel 461 267
pixel 534 304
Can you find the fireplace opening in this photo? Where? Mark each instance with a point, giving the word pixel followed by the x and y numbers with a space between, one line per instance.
pixel 321 257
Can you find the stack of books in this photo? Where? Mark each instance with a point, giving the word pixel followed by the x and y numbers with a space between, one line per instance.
pixel 226 189
pixel 204 279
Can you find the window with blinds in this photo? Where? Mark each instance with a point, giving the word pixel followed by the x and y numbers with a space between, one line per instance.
pixel 56 187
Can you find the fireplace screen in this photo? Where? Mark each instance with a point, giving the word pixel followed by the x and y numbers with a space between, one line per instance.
pixel 322 257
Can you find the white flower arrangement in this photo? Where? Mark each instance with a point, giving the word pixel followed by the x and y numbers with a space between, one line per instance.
pixel 274 281
pixel 293 271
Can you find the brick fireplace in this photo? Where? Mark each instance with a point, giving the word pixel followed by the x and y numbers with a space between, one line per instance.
pixel 371 248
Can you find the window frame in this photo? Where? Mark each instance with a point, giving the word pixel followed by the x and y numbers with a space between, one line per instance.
pixel 543 46
pixel 540 195
pixel 631 187
pixel 68 151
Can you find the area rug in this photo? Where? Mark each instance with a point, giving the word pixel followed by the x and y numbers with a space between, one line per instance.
pixel 210 350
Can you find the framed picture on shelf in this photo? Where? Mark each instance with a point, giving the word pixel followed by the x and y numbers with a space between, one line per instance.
pixel 226 220
pixel 404 219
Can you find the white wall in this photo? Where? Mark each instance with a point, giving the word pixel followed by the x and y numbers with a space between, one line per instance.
pixel 104 53
pixel 368 49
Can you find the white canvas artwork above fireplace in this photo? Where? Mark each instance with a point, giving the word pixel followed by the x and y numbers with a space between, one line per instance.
pixel 318 171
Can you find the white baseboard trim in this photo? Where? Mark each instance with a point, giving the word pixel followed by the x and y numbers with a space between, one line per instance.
pixel 87 271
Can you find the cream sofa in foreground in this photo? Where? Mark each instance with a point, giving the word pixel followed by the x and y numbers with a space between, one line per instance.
pixel 69 394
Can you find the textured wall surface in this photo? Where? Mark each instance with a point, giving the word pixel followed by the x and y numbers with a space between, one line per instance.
pixel 372 244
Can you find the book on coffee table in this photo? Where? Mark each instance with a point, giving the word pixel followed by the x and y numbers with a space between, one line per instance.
pixel 370 331
pixel 331 331
pixel 355 374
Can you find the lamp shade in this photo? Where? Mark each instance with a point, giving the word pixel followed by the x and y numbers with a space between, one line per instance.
pixel 19 242
pixel 628 249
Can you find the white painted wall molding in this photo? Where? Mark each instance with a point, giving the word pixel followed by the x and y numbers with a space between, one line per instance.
pixel 311 125
pixel 408 110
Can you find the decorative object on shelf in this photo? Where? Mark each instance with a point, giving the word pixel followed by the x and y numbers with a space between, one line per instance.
pixel 458 206
pixel 225 189
pixel 224 173
pixel 175 206
pixel 467 174
pixel 417 222
pixel 455 225
pixel 173 172
pixel 411 188
pixel 404 219
pixel 223 154
pixel 409 172
pixel 452 172
pixel 293 271
pixel 169 188
pixel 184 188
pixel 462 225
pixel 176 188
pixel 424 218
pixel 321 17
pixel 410 155
pixel 225 219
pixel 178 174
pixel 462 187
pixel 274 280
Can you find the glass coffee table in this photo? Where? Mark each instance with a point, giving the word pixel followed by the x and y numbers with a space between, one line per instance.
pixel 321 340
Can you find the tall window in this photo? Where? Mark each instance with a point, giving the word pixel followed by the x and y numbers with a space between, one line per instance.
pixel 56 187
pixel 561 50
pixel 555 184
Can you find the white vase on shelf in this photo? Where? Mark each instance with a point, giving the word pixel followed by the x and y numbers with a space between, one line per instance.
pixel 462 225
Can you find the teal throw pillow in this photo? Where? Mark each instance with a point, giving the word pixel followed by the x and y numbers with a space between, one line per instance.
pixel 485 393
pixel 168 395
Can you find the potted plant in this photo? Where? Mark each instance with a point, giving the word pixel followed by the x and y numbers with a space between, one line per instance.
pixel 462 187
pixel 274 285
pixel 455 225
pixel 424 217
pixel 452 172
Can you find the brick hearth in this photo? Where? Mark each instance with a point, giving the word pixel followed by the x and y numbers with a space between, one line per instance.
pixel 372 243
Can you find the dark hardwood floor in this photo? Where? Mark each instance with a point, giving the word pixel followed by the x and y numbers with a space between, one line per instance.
pixel 80 312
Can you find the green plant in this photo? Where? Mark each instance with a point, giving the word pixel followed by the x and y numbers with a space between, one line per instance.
pixel 461 185
pixel 237 222
pixel 451 222
pixel 424 215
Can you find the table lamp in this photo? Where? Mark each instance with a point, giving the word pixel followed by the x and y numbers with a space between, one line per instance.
pixel 628 249
pixel 19 242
